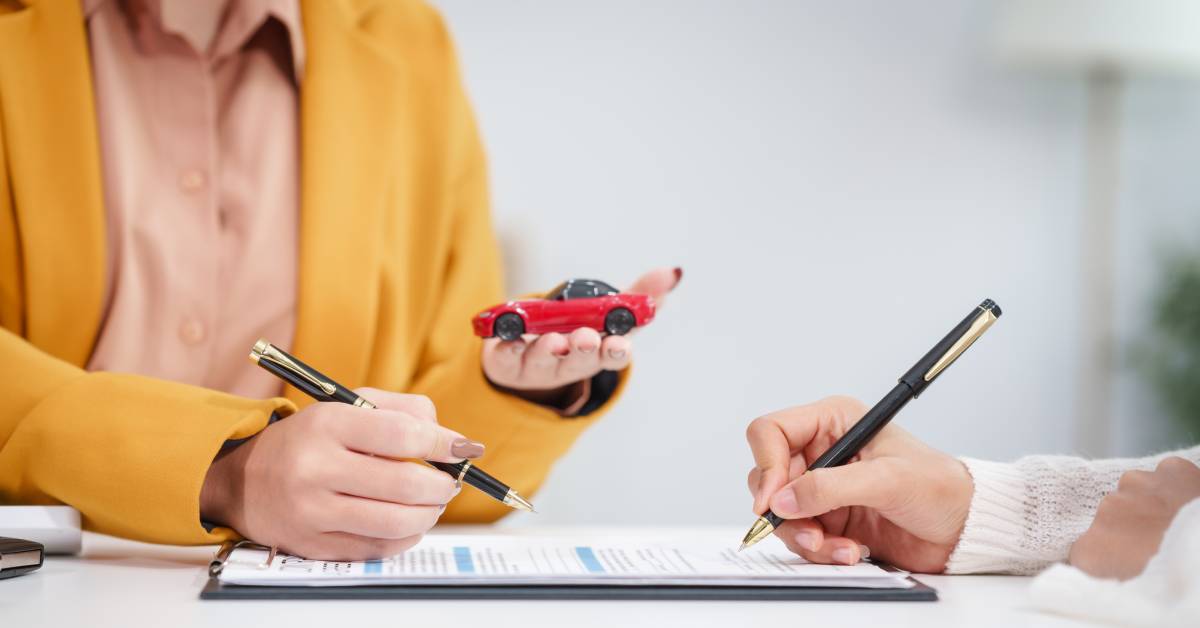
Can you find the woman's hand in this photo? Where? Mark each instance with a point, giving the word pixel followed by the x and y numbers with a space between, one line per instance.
pixel 1131 521
pixel 332 481
pixel 543 368
pixel 904 500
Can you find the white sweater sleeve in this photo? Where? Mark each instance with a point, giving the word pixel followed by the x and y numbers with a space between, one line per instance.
pixel 1025 515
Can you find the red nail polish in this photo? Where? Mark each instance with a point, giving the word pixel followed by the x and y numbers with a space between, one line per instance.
pixel 678 275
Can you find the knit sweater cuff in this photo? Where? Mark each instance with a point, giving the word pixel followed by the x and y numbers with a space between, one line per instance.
pixel 991 538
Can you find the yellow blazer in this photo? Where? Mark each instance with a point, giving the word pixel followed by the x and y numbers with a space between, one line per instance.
pixel 396 254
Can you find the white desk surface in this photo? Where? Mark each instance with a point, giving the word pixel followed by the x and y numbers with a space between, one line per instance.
pixel 123 583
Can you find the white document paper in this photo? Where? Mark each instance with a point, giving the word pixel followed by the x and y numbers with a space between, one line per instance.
pixel 455 560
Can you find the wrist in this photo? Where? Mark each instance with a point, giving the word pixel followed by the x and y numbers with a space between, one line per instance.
pixel 221 496
pixel 565 399
pixel 545 397
pixel 964 494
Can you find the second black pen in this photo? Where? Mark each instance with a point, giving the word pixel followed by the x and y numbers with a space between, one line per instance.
pixel 909 386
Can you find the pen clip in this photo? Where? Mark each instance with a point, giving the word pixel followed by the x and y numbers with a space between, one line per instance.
pixel 978 326
pixel 264 350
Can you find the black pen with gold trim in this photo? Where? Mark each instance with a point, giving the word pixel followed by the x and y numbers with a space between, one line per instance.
pixel 911 384
pixel 309 380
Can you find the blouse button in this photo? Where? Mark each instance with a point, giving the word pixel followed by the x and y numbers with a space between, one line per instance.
pixel 192 331
pixel 192 181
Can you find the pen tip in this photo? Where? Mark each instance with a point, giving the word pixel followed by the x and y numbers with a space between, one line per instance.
pixel 759 531
pixel 514 500
pixel 741 547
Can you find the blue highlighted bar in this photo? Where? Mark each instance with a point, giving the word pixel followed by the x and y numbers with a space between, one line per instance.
pixel 462 560
pixel 589 559
pixel 373 566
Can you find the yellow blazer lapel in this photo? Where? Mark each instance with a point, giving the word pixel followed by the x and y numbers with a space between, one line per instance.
pixel 349 100
pixel 54 160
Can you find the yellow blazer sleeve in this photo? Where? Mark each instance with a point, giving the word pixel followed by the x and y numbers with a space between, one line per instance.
pixel 523 439
pixel 129 452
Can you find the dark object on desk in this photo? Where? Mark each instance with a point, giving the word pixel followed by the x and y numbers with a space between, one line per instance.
pixel 316 385
pixel 572 304
pixel 214 590
pixel 18 557
pixel 910 386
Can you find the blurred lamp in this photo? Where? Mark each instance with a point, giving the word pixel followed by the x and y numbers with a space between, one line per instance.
pixel 1105 42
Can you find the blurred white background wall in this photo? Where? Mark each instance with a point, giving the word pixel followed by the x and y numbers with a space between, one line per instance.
pixel 841 182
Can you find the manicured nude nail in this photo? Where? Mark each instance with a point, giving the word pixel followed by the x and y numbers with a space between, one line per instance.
pixel 616 354
pixel 678 276
pixel 844 555
pixel 463 448
pixel 864 552
pixel 586 348
pixel 809 540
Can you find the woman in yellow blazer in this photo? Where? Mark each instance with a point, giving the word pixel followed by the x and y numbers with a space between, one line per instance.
pixel 389 276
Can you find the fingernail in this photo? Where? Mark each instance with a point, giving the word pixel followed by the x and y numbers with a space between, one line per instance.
pixel 562 353
pixel 784 503
pixel 463 448
pixel 586 348
pixel 678 276
pixel 616 354
pixel 844 555
pixel 864 552
pixel 808 540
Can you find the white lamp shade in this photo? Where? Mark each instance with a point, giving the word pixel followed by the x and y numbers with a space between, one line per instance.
pixel 1127 36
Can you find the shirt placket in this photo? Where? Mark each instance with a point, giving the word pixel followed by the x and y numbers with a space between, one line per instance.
pixel 193 173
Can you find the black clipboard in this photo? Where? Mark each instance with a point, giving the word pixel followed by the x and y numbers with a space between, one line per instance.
pixel 215 590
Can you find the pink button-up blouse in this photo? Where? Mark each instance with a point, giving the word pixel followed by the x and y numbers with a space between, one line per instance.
pixel 197 105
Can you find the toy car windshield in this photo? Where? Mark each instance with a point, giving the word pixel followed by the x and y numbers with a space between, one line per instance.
pixel 580 289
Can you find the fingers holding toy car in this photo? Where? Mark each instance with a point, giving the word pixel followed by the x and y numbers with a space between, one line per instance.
pixel 572 333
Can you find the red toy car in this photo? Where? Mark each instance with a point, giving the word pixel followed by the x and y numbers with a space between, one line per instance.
pixel 573 304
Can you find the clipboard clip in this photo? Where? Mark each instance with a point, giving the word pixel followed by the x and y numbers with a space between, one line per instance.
pixel 217 564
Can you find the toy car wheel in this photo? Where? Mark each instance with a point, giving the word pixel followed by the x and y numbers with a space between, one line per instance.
pixel 509 326
pixel 619 321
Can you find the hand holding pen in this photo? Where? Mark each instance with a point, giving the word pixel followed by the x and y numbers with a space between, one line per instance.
pixel 342 480
pixel 320 387
pixel 835 480
pixel 337 482
pixel 900 501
